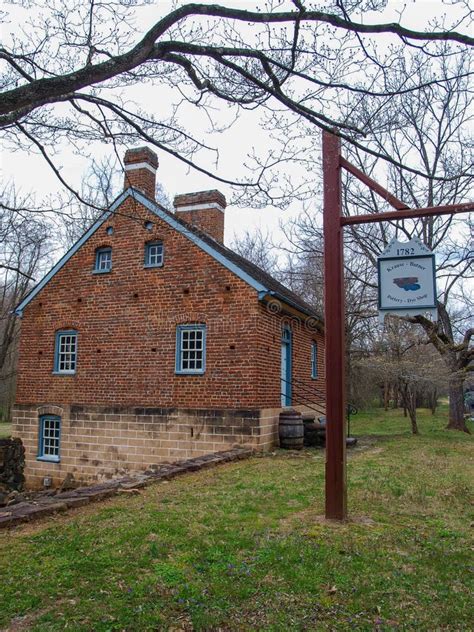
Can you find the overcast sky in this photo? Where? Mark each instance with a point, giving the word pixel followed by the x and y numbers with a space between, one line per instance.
pixel 30 173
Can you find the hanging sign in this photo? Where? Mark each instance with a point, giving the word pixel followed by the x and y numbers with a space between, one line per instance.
pixel 407 279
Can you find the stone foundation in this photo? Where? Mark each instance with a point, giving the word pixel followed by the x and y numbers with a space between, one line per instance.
pixel 99 443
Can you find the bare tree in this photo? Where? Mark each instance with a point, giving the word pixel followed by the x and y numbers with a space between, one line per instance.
pixel 25 247
pixel 305 275
pixel 102 183
pixel 99 188
pixel 257 247
pixel 72 71
pixel 434 132
pixel 401 363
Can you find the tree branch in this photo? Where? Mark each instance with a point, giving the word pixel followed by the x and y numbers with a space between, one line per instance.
pixel 48 90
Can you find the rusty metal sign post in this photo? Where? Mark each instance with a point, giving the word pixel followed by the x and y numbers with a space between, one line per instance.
pixel 334 309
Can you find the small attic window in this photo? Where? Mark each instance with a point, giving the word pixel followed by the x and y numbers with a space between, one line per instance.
pixel 109 230
pixel 154 254
pixel 148 225
pixel 103 260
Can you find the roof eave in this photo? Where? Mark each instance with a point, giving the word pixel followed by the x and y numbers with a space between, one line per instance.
pixel 316 321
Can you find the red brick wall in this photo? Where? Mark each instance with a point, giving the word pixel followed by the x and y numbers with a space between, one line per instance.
pixel 126 322
pixel 272 319
pixel 210 220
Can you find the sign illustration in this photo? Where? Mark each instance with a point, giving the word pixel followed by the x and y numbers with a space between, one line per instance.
pixel 407 280
pixel 408 283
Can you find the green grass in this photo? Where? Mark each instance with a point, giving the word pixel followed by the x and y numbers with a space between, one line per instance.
pixel 244 547
pixel 376 421
pixel 5 430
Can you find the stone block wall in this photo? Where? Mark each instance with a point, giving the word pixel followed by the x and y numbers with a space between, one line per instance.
pixel 100 443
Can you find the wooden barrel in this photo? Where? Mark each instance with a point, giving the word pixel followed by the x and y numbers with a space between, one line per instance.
pixel 291 430
pixel 314 434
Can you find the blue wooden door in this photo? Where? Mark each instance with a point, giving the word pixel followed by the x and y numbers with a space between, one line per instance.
pixel 286 367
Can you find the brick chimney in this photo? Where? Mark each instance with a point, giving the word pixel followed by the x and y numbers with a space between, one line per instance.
pixel 204 209
pixel 140 170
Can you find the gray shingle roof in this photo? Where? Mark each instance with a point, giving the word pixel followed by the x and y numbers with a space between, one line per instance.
pixel 260 275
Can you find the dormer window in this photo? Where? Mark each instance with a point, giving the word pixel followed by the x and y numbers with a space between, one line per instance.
pixel 103 260
pixel 154 254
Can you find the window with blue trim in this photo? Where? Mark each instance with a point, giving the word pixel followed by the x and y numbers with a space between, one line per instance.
pixel 154 254
pixel 49 437
pixel 191 349
pixel 314 359
pixel 65 353
pixel 103 260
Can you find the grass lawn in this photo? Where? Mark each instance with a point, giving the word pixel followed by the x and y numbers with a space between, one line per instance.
pixel 243 546
pixel 5 430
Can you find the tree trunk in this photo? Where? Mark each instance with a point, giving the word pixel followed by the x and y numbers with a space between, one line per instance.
pixel 456 405
pixel 412 411
pixel 395 397
pixel 434 400
pixel 386 395
pixel 408 396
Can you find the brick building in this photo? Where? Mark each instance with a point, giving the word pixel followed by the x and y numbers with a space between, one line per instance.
pixel 150 341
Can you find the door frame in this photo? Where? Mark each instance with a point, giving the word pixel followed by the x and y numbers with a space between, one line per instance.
pixel 287 340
